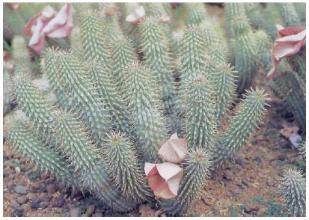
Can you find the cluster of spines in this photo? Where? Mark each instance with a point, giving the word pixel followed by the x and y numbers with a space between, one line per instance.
pixel 243 124
pixel 85 158
pixel 94 41
pixel 146 110
pixel 23 138
pixel 195 173
pixel 70 81
pixel 216 44
pixel 35 106
pixel 124 168
pixel 243 43
pixel 200 113
pixel 289 14
pixel 193 60
pixel 111 98
pixel 155 49
pixel 224 82
pixel 195 13
pixel 122 54
pixel 293 188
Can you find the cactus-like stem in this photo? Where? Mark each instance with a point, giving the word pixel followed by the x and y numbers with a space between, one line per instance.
pixel 289 14
pixel 144 105
pixel 195 174
pixel 216 43
pixel 124 168
pixel 155 49
pixel 264 50
pixel 35 106
pixel 195 13
pixel 123 54
pixel 69 79
pixel 243 124
pixel 287 86
pixel 129 29
pixel 8 91
pixel 193 58
pixel 245 51
pixel 113 29
pixel 94 40
pixel 232 10
pixel 110 96
pixel 224 82
pixel 21 54
pixel 293 188
pixel 200 114
pixel 300 8
pixel 85 158
pixel 25 141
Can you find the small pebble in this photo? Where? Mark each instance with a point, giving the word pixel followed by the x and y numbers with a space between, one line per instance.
pixel 43 204
pixel 17 213
pixel 22 199
pixel 15 205
pixel 35 204
pixel 20 189
pixel 31 196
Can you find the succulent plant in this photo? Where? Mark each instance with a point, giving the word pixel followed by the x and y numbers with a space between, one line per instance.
pixel 293 188
pixel 290 88
pixel 196 171
pixel 243 43
pixel 117 102
pixel 289 14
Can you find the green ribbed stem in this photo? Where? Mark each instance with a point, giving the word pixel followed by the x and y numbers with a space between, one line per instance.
pixel 145 105
pixel 69 79
pixel 94 40
pixel 289 14
pixel 243 124
pixel 193 60
pixel 195 13
pixel 200 114
pixel 123 54
pixel 124 168
pixel 155 48
pixel 224 82
pixel 26 142
pixel 111 97
pixel 293 188
pixel 85 158
pixel 195 174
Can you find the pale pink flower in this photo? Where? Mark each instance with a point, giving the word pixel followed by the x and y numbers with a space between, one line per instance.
pixel 49 23
pixel 174 150
pixel 164 179
pixel 289 42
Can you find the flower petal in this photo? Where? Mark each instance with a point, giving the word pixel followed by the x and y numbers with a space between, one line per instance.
pixel 62 24
pixel 174 149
